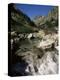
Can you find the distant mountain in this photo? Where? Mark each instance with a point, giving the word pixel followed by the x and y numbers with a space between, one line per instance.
pixel 49 21
pixel 39 20
pixel 20 22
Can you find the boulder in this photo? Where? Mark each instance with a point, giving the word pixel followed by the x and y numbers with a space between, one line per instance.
pixel 29 36
pixel 45 44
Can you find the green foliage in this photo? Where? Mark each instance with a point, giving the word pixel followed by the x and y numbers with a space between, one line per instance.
pixel 51 24
pixel 48 24
pixel 56 22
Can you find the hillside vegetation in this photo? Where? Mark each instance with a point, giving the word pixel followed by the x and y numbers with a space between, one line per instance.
pixel 48 22
pixel 20 22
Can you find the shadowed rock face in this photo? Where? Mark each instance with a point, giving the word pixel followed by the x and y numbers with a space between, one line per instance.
pixel 19 69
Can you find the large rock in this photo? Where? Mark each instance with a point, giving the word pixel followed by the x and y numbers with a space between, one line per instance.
pixel 49 64
pixel 45 44
pixel 29 36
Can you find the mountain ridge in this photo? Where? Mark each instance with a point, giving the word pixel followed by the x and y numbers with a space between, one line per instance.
pixel 20 22
pixel 49 21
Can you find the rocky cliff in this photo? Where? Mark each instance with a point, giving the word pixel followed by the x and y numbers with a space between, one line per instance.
pixel 49 21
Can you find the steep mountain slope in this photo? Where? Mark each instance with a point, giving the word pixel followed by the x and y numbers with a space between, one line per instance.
pixel 49 21
pixel 20 22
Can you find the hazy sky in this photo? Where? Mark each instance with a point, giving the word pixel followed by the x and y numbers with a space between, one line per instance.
pixel 34 10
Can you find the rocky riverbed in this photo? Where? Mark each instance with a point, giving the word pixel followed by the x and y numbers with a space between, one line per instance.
pixel 36 58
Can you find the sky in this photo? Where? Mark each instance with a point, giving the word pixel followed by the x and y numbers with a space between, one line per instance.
pixel 34 10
